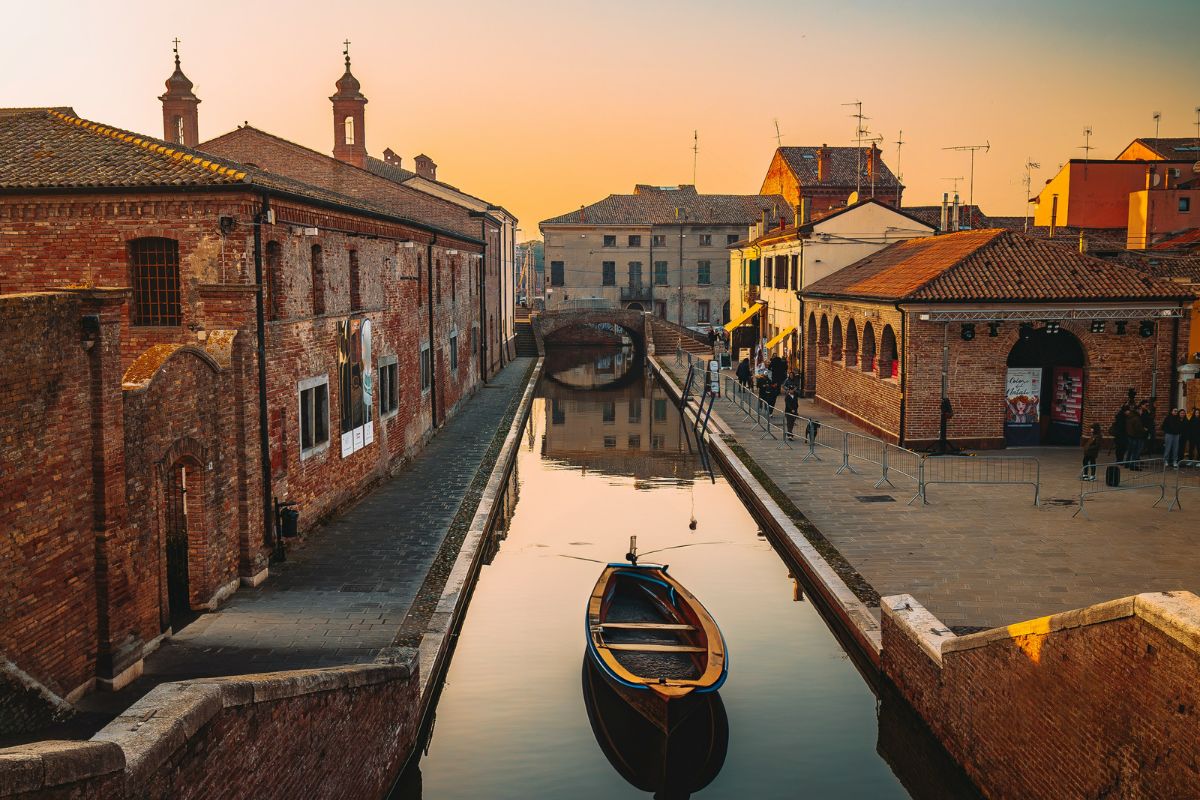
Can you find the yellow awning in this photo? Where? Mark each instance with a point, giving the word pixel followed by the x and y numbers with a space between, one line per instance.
pixel 749 312
pixel 779 337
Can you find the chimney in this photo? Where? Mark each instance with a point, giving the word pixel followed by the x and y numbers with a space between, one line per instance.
pixel 426 168
pixel 805 210
pixel 1053 214
pixel 799 216
pixel 822 162
pixel 945 210
pixel 390 157
pixel 872 155
pixel 954 218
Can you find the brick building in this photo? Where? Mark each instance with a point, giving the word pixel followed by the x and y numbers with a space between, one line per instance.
pixel 1029 342
pixel 137 472
pixel 826 177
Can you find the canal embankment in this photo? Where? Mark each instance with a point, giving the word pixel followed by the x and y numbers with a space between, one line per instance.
pixel 343 730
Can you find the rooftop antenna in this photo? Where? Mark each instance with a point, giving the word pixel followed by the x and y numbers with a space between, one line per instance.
pixel 859 132
pixel 695 153
pixel 1157 120
pixel 899 175
pixel 1086 148
pixel 956 180
pixel 1030 166
pixel 971 190
pixel 1198 125
pixel 778 135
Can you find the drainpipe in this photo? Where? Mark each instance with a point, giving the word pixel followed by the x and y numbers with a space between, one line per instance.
pixel 903 347
pixel 264 438
pixel 651 270
pixel 483 348
pixel 432 358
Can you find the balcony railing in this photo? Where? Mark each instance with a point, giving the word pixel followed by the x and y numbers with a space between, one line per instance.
pixel 637 293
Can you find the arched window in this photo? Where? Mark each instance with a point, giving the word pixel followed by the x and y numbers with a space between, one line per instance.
pixel 177 124
pixel 349 130
pixel 851 344
pixel 154 277
pixel 889 366
pixel 868 347
pixel 275 278
pixel 318 282
pixel 836 348
pixel 823 337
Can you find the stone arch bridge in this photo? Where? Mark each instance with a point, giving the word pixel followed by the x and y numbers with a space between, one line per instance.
pixel 547 323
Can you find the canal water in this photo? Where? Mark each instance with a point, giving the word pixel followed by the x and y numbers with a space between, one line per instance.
pixel 604 456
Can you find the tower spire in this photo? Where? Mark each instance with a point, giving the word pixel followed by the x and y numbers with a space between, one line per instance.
pixel 180 115
pixel 349 117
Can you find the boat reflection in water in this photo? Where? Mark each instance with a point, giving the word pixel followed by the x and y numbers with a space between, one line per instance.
pixel 674 765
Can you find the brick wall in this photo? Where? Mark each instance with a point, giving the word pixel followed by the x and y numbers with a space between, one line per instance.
pixel 48 621
pixel 1100 702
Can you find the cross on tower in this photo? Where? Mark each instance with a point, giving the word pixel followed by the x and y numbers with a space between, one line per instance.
pixel 175 41
pixel 346 52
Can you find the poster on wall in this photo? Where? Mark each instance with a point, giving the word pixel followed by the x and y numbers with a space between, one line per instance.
pixel 1068 395
pixel 1022 398
pixel 355 386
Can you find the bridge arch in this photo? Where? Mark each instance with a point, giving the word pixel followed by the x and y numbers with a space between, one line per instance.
pixel 548 323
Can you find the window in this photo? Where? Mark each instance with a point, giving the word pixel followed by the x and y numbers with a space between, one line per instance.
pixel 349 130
pixel 660 309
pixel 454 350
pixel 355 290
pixel 731 238
pixel 635 409
pixel 609 411
pixel 660 273
pixel 317 268
pixel 274 267
pixel 702 311
pixel 635 441
pixel 610 441
pixel 660 410
pixel 659 240
pixel 703 273
pixel 706 240
pixel 556 273
pixel 389 388
pixel 610 273
pixel 314 415
pixel 795 272
pixel 781 272
pixel 657 440
pixel 426 368
pixel 635 241
pixel 767 272
pixel 610 241
pixel 558 414
pixel 635 274
pixel 1185 204
pixel 154 267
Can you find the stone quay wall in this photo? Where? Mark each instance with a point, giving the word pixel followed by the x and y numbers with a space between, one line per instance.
pixel 328 733
pixel 1098 702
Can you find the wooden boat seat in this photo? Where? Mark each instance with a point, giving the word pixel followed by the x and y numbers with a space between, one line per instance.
pixel 657 648
pixel 646 626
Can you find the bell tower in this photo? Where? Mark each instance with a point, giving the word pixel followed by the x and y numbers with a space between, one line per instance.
pixel 180 117
pixel 349 110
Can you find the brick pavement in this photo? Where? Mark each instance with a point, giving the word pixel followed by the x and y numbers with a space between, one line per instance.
pixel 984 556
pixel 342 597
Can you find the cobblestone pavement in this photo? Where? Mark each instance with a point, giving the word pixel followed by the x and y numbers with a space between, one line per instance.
pixel 984 556
pixel 343 596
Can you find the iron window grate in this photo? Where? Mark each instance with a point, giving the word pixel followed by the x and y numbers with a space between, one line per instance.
pixel 155 279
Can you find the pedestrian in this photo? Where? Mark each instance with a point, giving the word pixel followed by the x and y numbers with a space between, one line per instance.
pixel 778 369
pixel 1149 412
pixel 1174 426
pixel 1091 451
pixel 712 337
pixel 1193 435
pixel 1120 437
pixel 1135 431
pixel 791 409
pixel 810 431
pixel 743 372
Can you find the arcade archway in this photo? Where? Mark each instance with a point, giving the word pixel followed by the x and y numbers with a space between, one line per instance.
pixel 1052 360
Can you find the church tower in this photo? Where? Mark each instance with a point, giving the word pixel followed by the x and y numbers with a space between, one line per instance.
pixel 180 117
pixel 349 109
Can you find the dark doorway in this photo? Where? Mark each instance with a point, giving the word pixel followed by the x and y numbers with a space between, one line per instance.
pixel 725 313
pixel 1059 356
pixel 176 518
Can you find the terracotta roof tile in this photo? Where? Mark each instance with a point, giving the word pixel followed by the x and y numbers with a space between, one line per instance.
pixel 652 205
pixel 840 169
pixel 990 266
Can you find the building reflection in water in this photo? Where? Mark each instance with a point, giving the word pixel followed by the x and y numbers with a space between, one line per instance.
pixel 598 412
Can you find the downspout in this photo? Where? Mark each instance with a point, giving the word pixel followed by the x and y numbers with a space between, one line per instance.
pixel 432 358
pixel 264 438
pixel 483 360
pixel 650 265
pixel 1175 362
pixel 903 369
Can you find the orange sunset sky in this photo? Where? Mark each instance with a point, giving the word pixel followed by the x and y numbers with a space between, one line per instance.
pixel 543 106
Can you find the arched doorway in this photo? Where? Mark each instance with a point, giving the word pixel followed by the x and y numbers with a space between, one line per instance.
pixel 1047 365
pixel 183 523
pixel 634 307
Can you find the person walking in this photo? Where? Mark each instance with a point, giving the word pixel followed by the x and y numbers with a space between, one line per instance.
pixel 1135 432
pixel 1174 426
pixel 791 409
pixel 743 373
pixel 1193 435
pixel 1091 451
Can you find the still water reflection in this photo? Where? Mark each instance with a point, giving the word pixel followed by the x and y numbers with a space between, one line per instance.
pixel 515 720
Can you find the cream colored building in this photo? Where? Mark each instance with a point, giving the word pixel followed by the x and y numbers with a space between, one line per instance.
pixel 768 268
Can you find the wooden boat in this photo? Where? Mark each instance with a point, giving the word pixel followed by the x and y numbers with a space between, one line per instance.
pixel 676 764
pixel 653 640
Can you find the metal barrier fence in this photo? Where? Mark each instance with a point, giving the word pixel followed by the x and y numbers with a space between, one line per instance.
pixel 1147 473
pixel 891 460
pixel 1187 476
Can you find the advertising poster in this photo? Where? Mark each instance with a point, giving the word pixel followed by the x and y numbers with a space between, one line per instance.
pixel 355 384
pixel 1023 396
pixel 1068 395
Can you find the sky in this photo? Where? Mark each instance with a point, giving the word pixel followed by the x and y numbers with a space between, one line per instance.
pixel 544 105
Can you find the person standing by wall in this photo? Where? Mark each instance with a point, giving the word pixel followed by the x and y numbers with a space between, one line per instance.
pixel 1135 432
pixel 1091 451
pixel 1193 435
pixel 1119 434
pixel 1174 426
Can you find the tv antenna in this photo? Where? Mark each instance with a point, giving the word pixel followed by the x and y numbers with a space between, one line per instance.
pixel 1087 148
pixel 778 135
pixel 956 180
pixel 971 190
pixel 695 153
pixel 1030 166
pixel 1157 120
pixel 899 143
pixel 859 132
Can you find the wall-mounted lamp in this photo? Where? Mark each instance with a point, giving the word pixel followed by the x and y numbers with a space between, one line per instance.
pixel 1097 326
pixel 1052 326
pixel 967 331
pixel 1120 326
pixel 993 329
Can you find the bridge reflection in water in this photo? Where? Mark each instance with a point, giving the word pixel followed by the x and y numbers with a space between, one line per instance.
pixel 513 721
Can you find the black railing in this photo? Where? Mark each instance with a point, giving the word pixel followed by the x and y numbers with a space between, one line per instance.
pixel 635 293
